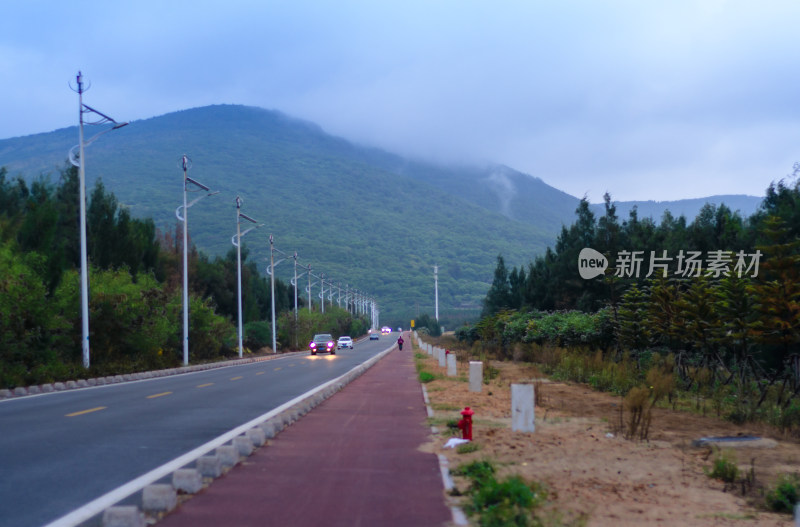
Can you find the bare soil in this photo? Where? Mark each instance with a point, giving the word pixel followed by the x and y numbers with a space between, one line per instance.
pixel 592 472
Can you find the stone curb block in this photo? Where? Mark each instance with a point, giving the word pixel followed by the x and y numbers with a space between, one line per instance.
pixel 160 497
pixel 269 428
pixel 82 383
pixel 257 436
pixel 209 466
pixel 123 516
pixel 187 480
pixel 244 445
pixel 5 393
pixel 228 455
pixel 19 390
pixel 59 386
pixel 33 390
pixel 47 388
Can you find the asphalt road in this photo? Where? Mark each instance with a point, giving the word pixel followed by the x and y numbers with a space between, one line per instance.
pixel 59 451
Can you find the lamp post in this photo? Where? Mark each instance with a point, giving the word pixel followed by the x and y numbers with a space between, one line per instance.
pixel 271 272
pixel 436 289
pixel 77 160
pixel 322 293
pixel 309 288
pixel 237 241
pixel 186 164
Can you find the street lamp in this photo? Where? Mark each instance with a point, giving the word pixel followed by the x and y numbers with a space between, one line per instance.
pixel 236 241
pixel 436 288
pixel 77 160
pixel 186 164
pixel 271 271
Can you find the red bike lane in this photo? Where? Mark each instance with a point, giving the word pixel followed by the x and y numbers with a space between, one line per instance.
pixel 353 461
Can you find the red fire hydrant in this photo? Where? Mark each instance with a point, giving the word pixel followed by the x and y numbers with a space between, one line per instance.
pixel 466 423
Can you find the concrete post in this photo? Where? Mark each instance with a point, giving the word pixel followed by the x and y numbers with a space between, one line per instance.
pixel 451 365
pixel 442 358
pixel 475 376
pixel 123 516
pixel 522 408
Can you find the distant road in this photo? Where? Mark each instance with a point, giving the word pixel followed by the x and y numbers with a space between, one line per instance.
pixel 59 451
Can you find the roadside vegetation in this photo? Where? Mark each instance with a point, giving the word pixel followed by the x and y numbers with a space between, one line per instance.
pixel 136 292
pixel 722 342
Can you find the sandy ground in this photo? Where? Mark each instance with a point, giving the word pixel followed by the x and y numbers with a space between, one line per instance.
pixel 594 474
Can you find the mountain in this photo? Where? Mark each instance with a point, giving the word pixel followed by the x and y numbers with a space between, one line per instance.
pixel 372 219
pixel 745 205
pixel 345 213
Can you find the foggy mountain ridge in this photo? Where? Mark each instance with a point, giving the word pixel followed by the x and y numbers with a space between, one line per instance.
pixel 459 217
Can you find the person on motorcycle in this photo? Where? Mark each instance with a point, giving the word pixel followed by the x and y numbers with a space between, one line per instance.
pixel 400 343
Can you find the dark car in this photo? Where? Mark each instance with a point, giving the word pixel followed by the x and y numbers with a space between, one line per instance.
pixel 374 336
pixel 322 342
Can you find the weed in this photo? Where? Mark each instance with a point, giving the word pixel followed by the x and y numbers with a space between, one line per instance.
pixel 638 404
pixel 477 471
pixel 467 448
pixel 785 494
pixel 426 377
pixel 506 503
pixel 724 468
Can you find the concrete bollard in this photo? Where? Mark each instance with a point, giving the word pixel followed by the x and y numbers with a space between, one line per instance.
pixel 244 445
pixel 451 365
pixel 123 516
pixel 270 429
pixel 257 436
pixel 228 455
pixel 209 466
pixel 187 480
pixel 522 408
pixel 475 376
pixel 159 498
pixel 442 358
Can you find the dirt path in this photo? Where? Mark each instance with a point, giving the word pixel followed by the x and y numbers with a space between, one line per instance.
pixel 592 472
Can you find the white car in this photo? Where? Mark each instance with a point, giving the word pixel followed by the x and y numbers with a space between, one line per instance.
pixel 344 342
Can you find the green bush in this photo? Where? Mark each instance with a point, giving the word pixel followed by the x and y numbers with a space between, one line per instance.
pixel 785 494
pixel 426 377
pixel 258 334
pixel 477 471
pixel 724 468
pixel 506 503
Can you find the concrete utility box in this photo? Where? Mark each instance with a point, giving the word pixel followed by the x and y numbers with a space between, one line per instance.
pixel 522 408
pixel 475 376
pixel 451 365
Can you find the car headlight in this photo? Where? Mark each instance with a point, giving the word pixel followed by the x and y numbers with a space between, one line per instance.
pixel 312 345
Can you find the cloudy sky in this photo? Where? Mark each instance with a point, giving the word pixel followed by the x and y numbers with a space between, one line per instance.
pixel 644 99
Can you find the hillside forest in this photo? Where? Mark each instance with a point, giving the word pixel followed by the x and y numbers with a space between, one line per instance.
pixel 135 280
pixel 709 309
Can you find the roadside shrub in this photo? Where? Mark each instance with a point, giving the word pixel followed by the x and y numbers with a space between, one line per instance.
pixel 785 494
pixel 637 402
pixel 506 503
pixel 258 334
pixel 724 468
pixel 477 471
pixel 426 377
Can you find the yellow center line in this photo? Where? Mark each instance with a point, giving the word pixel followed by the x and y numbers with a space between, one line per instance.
pixel 260 373
pixel 204 385
pixel 291 365
pixel 90 410
pixel 236 378
pixel 276 369
pixel 162 394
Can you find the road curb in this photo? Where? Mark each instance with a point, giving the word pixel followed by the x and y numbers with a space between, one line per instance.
pixel 229 446
pixel 43 389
